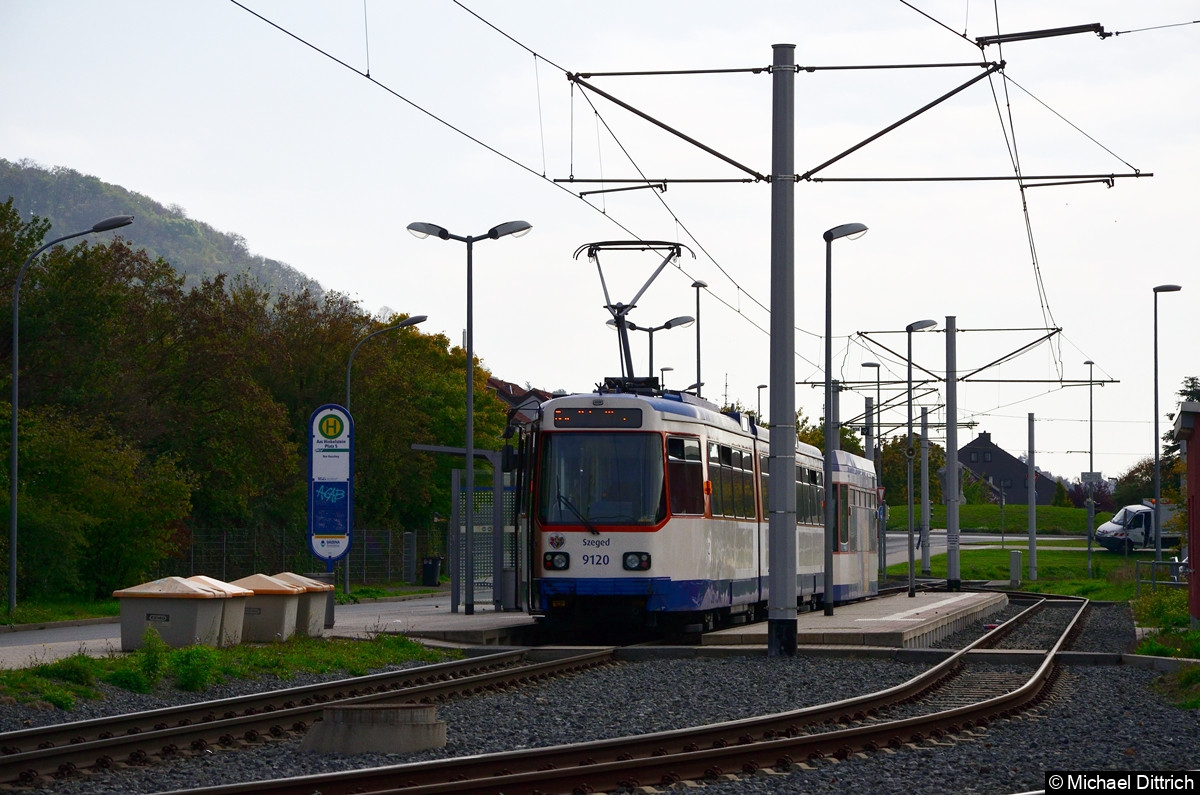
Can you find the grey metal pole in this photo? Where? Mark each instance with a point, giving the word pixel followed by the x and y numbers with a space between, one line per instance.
pixel 1162 288
pixel 877 457
pixel 925 518
pixel 908 454
pixel 953 575
pixel 700 285
pixel 103 226
pixel 1091 490
pixel 469 512
pixel 781 605
pixel 869 419
pixel 1031 498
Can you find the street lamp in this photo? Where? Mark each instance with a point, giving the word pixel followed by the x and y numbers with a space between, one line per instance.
pixel 909 453
pixel 107 224
pixel 423 230
pixel 699 285
pixel 852 231
pixel 758 416
pixel 683 321
pixel 662 376
pixel 412 321
pixel 1091 495
pixel 1162 288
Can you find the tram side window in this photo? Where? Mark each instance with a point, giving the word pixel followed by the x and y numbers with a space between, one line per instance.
pixel 808 497
pixel 717 496
pixel 732 475
pixel 686 472
pixel 764 478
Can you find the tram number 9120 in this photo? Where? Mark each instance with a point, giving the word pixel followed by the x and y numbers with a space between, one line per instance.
pixel 595 560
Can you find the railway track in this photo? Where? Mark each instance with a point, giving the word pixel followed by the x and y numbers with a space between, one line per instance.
pixel 956 697
pixel 32 756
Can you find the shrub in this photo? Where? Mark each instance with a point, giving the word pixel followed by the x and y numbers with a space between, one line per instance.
pixel 195 668
pixel 1162 608
pixel 129 679
pixel 78 669
pixel 152 657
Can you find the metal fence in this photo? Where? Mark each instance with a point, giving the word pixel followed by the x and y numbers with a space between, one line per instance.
pixel 376 556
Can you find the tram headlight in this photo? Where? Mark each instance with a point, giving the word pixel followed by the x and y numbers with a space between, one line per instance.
pixel 556 561
pixel 636 561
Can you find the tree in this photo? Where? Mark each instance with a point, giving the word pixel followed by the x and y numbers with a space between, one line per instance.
pixel 814 434
pixel 95 513
pixel 1135 484
pixel 1061 499
pixel 895 471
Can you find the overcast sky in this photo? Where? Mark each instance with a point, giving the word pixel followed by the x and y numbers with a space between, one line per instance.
pixel 269 128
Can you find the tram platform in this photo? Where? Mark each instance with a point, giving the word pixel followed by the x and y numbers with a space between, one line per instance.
pixel 889 622
pixel 896 622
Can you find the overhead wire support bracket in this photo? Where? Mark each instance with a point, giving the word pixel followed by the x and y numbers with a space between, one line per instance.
pixel 661 187
pixel 639 180
pixel 575 78
pixel 1063 179
pixel 991 69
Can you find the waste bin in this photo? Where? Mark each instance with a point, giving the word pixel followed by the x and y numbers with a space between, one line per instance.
pixel 310 610
pixel 431 571
pixel 181 612
pixel 330 579
pixel 271 611
pixel 233 609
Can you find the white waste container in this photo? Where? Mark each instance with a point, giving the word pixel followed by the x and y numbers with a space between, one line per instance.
pixel 182 612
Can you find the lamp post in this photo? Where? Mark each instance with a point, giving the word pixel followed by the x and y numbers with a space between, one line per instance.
pixel 852 231
pixel 909 453
pixel 758 415
pixel 412 321
pixel 1162 288
pixel 423 230
pixel 683 321
pixel 699 285
pixel 107 224
pixel 662 376
pixel 1091 489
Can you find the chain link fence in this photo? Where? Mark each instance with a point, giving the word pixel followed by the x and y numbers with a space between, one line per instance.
pixel 377 557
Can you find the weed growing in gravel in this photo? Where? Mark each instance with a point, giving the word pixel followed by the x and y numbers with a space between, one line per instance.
pixel 1182 687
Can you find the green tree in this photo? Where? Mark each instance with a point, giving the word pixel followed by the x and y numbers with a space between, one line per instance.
pixel 1135 484
pixel 1061 498
pixel 95 514
pixel 814 434
pixel 895 471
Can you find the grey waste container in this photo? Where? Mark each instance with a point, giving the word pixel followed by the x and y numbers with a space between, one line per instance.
pixel 329 577
pixel 431 571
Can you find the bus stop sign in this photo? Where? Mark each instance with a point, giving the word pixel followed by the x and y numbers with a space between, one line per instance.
pixel 330 482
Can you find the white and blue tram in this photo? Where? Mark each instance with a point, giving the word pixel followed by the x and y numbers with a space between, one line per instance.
pixel 649 510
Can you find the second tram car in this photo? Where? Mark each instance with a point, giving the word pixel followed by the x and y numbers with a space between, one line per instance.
pixel 649 510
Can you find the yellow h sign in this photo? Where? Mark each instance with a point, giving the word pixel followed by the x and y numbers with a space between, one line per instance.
pixel 331 426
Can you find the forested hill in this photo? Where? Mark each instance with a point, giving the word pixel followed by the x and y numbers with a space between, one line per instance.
pixel 71 201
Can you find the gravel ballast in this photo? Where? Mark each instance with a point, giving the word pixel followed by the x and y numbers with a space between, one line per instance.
pixel 1103 718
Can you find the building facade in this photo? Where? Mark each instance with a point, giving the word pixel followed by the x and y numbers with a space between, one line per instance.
pixel 1007 474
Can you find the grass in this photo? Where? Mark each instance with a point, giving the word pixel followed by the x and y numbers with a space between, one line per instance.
pixel 62 683
pixel 1013 519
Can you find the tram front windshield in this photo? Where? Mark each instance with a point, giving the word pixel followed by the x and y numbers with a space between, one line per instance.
pixel 601 478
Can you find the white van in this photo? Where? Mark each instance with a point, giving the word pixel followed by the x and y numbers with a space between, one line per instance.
pixel 1133 528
